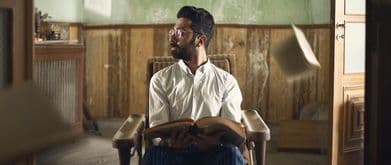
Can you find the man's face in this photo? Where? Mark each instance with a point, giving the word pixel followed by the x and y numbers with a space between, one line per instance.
pixel 181 40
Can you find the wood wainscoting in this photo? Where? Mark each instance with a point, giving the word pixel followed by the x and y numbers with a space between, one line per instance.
pixel 116 67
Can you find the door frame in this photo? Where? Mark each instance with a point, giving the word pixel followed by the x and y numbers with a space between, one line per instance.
pixel 22 44
pixel 343 84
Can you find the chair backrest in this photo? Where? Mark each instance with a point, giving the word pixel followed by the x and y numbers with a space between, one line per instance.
pixel 223 61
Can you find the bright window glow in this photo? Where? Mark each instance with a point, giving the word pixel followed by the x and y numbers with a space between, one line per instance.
pixel 102 7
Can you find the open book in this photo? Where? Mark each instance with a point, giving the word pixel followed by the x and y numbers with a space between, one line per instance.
pixel 234 132
pixel 295 56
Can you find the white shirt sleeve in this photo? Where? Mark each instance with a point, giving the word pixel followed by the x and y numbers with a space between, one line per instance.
pixel 158 103
pixel 232 100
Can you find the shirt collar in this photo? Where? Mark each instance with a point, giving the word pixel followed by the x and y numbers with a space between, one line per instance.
pixel 202 69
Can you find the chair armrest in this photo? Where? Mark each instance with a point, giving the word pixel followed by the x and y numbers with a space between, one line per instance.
pixel 257 134
pixel 126 136
pixel 255 126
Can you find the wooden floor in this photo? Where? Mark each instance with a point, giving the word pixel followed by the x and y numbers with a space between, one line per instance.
pixel 97 150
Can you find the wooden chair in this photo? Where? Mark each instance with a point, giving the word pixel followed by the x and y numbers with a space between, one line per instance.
pixel 129 138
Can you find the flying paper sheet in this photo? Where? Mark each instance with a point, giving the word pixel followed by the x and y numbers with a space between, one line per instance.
pixel 295 56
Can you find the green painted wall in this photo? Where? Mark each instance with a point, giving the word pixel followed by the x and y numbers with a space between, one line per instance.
pixel 164 11
pixel 62 10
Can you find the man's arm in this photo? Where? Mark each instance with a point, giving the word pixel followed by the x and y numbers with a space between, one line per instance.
pixel 232 100
pixel 158 103
pixel 159 114
pixel 230 109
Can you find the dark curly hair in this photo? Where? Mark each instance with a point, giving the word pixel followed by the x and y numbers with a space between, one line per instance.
pixel 202 20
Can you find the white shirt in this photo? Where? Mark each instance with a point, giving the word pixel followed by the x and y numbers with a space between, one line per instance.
pixel 176 93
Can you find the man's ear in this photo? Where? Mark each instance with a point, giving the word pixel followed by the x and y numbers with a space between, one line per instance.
pixel 197 41
pixel 201 40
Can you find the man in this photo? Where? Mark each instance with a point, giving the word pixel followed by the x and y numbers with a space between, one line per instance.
pixel 192 88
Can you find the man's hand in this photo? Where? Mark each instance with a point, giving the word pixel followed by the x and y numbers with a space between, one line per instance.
pixel 206 142
pixel 179 139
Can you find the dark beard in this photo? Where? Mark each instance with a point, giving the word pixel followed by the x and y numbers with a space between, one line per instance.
pixel 185 53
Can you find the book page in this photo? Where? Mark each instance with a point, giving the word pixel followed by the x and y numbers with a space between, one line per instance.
pixel 221 123
pixel 164 130
pixel 305 47
pixel 233 132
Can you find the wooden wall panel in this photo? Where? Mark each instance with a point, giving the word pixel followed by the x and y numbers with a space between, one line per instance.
pixel 314 89
pixel 250 46
pixel 262 83
pixel 280 104
pixel 118 71
pixel 233 41
pixel 142 41
pixel 97 55
pixel 160 41
pixel 323 53
pixel 257 67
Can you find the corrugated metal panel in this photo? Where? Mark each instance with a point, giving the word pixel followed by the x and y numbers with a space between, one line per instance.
pixel 59 81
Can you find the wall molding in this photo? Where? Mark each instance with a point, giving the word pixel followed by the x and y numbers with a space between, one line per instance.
pixel 127 26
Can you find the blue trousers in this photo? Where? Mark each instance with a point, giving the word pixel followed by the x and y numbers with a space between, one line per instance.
pixel 225 155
